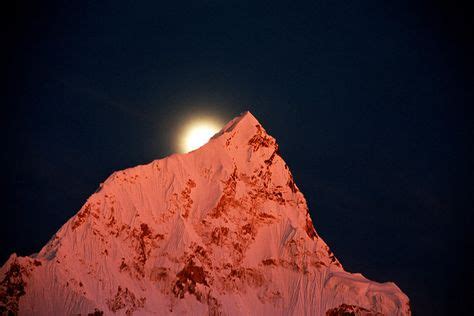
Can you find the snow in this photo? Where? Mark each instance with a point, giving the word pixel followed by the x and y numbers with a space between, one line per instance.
pixel 220 230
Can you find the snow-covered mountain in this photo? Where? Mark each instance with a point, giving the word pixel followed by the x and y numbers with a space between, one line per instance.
pixel 220 230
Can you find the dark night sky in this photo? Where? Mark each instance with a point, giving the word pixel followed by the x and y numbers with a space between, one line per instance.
pixel 370 104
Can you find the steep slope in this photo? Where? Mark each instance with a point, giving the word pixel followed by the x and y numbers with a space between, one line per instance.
pixel 221 230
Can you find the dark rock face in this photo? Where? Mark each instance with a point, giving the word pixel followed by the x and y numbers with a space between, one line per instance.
pixel 188 278
pixel 13 287
pixel 351 310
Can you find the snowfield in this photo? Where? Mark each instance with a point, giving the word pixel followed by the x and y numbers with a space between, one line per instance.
pixel 222 230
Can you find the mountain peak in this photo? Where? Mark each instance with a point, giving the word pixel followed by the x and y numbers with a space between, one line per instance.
pixel 220 230
pixel 245 119
pixel 243 122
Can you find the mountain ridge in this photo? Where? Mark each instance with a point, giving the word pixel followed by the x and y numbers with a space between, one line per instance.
pixel 223 229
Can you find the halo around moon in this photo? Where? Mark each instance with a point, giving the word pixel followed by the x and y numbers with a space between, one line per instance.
pixel 197 132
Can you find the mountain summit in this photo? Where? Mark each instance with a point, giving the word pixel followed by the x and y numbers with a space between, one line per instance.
pixel 222 230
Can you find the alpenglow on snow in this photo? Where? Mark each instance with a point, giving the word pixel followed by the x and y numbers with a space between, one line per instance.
pixel 222 230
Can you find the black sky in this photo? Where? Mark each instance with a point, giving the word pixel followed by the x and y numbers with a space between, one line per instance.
pixel 369 102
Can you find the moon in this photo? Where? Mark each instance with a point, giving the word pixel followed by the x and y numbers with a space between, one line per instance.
pixel 197 132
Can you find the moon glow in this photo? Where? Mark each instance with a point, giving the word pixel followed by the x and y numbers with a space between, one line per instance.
pixel 197 133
